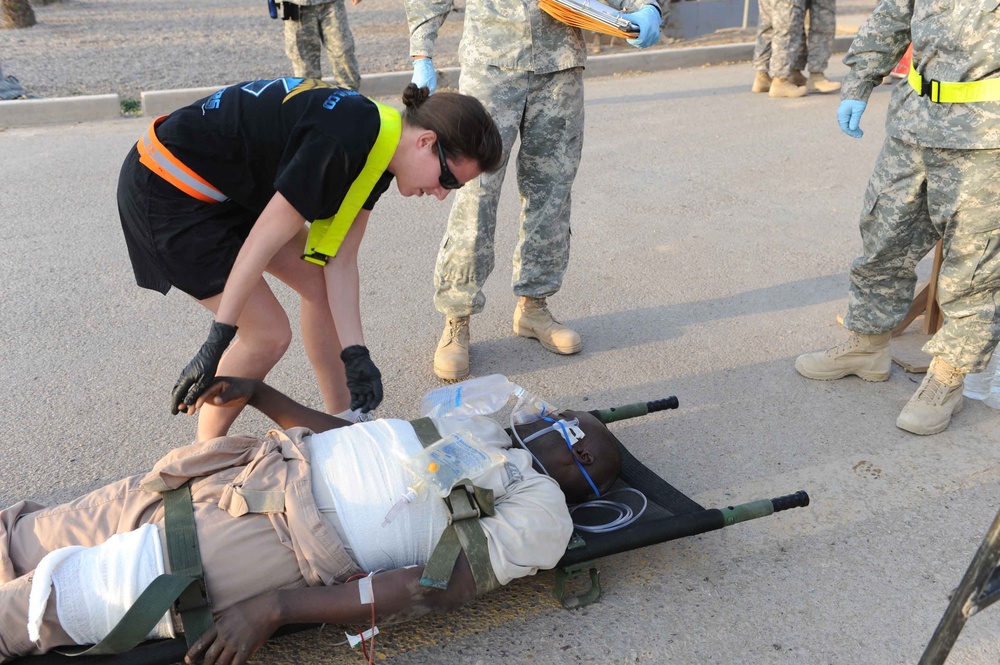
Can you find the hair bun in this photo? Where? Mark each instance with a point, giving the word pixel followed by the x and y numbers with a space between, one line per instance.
pixel 413 96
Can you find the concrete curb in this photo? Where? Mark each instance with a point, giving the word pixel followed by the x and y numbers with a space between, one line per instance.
pixel 29 112
pixel 58 110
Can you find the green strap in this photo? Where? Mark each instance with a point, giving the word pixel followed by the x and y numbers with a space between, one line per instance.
pixel 326 235
pixel 426 431
pixel 464 532
pixel 185 561
pixel 182 588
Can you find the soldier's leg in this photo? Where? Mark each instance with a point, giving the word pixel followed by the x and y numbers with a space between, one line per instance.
pixel 896 233
pixel 964 197
pixel 822 26
pixel 465 259
pixel 762 47
pixel 547 163
pixel 787 21
pixel 335 33
pixel 302 43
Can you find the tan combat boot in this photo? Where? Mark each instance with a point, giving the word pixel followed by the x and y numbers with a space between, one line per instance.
pixel 451 359
pixel 797 77
pixel 866 356
pixel 938 398
pixel 532 319
pixel 761 82
pixel 818 82
pixel 785 88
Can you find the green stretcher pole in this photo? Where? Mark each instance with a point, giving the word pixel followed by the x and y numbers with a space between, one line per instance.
pixel 617 413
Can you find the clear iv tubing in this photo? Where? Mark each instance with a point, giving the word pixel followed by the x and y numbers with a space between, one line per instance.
pixel 625 513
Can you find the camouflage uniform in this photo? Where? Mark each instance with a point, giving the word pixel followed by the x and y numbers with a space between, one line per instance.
pixel 527 69
pixel 780 36
pixel 816 49
pixel 322 24
pixel 938 176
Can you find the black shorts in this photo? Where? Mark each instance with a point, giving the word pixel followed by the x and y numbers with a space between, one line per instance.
pixel 174 239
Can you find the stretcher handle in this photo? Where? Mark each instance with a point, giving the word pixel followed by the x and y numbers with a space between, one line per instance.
pixel 798 500
pixel 616 413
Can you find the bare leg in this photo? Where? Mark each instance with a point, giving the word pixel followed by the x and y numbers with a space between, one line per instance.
pixel 319 333
pixel 263 337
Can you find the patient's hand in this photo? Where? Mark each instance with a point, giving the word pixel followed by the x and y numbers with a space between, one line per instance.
pixel 236 635
pixel 227 391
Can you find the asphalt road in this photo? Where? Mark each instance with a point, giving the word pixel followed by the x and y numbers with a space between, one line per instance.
pixel 712 233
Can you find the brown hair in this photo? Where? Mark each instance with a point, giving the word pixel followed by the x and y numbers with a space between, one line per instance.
pixel 461 123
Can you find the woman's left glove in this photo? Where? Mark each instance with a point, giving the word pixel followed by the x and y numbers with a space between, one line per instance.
pixel 201 370
pixel 648 20
pixel 363 378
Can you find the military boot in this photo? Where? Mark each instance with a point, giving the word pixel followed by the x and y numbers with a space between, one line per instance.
pixel 785 88
pixel 451 359
pixel 866 356
pixel 938 398
pixel 818 82
pixel 761 82
pixel 797 77
pixel 532 319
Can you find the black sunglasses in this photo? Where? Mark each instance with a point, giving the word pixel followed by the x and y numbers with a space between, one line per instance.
pixel 447 178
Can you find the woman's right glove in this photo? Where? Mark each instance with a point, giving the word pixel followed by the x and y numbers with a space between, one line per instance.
pixel 648 19
pixel 849 117
pixel 363 378
pixel 201 370
pixel 424 74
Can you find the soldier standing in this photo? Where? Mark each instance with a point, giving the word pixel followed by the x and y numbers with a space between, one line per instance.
pixel 780 39
pixel 527 69
pixel 314 25
pixel 938 176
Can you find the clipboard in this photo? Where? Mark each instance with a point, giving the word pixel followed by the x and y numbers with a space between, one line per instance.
pixel 591 15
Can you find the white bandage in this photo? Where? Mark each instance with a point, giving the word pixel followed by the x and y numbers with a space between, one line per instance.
pixel 95 586
pixel 365 590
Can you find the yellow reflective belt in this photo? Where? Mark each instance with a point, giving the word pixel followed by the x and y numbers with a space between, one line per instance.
pixel 326 235
pixel 944 92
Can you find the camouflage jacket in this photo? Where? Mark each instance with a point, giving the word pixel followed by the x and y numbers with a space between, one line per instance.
pixel 953 40
pixel 513 34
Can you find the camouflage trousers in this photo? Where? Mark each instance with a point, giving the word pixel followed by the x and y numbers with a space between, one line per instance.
pixel 916 196
pixel 322 27
pixel 780 36
pixel 547 111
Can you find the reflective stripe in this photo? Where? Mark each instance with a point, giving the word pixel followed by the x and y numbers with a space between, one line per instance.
pixel 944 92
pixel 155 156
pixel 326 235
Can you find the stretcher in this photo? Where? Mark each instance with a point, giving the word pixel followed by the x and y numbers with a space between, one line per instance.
pixel 669 515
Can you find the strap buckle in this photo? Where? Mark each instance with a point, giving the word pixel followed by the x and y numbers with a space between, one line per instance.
pixel 194 597
pixel 927 89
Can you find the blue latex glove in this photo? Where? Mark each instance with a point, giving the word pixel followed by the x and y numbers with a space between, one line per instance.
pixel 648 20
pixel 424 74
pixel 849 116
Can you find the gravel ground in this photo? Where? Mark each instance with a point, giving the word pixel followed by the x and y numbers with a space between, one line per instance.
pixel 86 47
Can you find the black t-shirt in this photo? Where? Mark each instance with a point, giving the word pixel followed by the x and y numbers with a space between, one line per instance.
pixel 301 137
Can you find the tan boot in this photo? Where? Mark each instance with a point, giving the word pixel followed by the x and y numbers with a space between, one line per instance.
pixel 797 77
pixel 451 360
pixel 785 88
pixel 819 83
pixel 938 398
pixel 761 82
pixel 532 319
pixel 866 356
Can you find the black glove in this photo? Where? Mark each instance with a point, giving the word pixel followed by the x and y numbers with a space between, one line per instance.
pixel 363 378
pixel 201 370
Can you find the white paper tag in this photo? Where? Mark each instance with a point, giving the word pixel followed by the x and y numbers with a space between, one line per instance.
pixel 355 640
pixel 365 590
